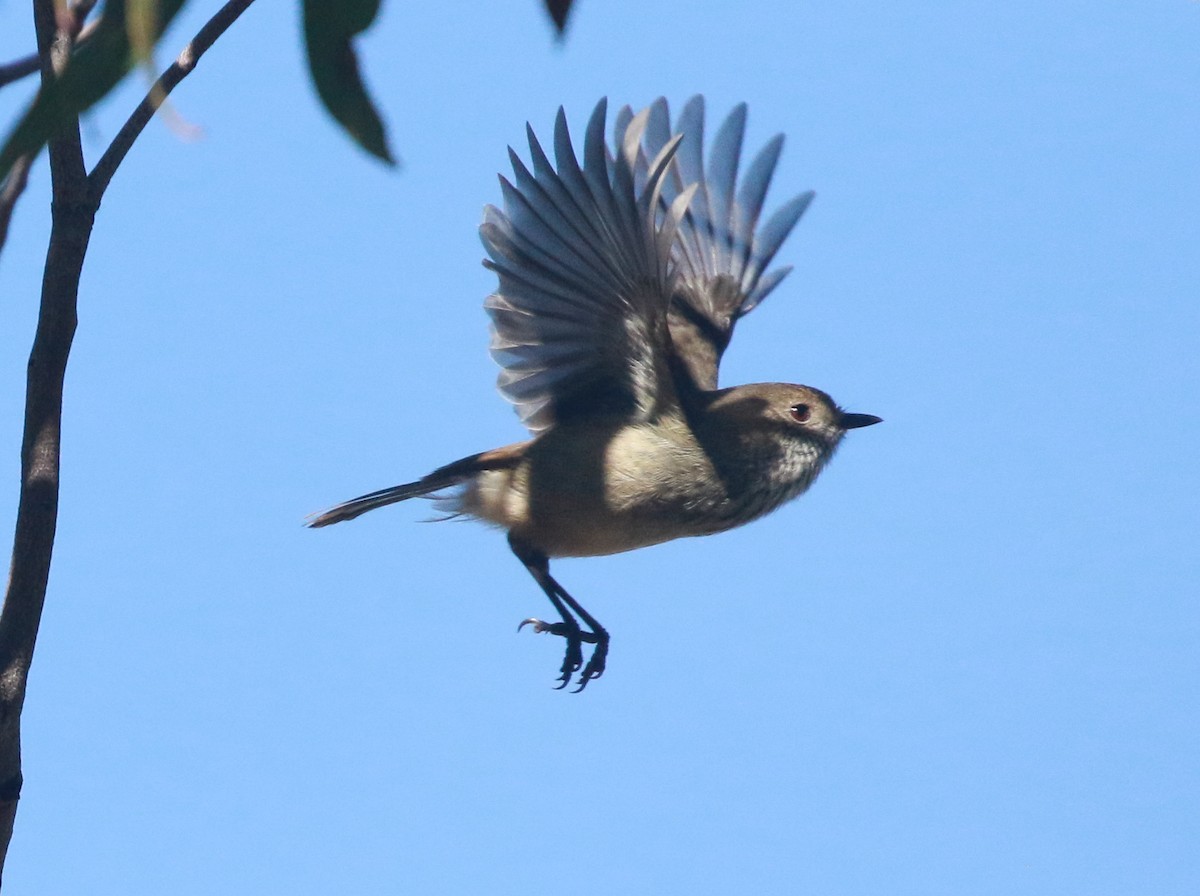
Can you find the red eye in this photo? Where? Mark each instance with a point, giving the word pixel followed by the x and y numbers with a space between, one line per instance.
pixel 800 412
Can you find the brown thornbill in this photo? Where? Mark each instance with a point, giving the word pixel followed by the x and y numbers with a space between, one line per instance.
pixel 621 280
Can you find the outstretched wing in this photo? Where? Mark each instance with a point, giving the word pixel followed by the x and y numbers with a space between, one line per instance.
pixel 720 256
pixel 579 320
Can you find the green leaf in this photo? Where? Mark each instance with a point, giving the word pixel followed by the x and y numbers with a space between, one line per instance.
pixel 142 26
pixel 95 69
pixel 329 26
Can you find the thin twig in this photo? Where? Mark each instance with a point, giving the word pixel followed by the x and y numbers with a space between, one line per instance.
pixel 10 192
pixel 182 67
pixel 19 68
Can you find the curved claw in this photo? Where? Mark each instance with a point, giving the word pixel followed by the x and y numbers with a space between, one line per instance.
pixel 585 678
pixel 538 625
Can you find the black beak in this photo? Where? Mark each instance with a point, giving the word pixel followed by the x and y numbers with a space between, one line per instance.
pixel 857 421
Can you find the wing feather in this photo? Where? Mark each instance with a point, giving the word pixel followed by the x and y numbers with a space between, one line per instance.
pixel 720 254
pixel 583 258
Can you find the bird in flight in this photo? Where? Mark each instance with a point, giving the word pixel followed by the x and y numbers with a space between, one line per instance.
pixel 622 275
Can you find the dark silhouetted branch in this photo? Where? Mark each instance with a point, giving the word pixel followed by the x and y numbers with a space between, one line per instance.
pixel 76 197
pixel 37 510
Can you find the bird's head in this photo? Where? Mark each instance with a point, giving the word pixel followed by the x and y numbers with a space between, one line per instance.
pixel 790 411
pixel 774 436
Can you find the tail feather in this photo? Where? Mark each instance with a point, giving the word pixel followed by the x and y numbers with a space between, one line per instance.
pixel 442 478
pixel 348 510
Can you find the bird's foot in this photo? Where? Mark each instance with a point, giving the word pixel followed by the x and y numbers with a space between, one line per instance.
pixel 595 665
pixel 574 656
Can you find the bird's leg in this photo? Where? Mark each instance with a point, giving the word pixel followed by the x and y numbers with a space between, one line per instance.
pixel 539 567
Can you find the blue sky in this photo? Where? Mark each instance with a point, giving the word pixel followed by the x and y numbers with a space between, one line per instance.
pixel 965 662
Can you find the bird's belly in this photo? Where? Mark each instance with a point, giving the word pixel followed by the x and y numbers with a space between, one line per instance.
pixel 577 518
pixel 574 533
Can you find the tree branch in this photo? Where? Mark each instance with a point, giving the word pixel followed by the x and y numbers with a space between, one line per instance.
pixel 76 197
pixel 37 510
pixel 157 95
pixel 21 68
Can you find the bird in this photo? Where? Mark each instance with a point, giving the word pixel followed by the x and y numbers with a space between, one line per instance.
pixel 621 276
